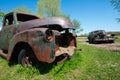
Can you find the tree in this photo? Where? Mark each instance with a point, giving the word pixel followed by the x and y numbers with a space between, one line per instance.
pixel 22 9
pixel 77 24
pixel 116 4
pixel 1 13
pixel 1 17
pixel 65 16
pixel 18 9
pixel 47 8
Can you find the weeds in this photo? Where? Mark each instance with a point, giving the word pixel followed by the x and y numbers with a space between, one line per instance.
pixel 89 64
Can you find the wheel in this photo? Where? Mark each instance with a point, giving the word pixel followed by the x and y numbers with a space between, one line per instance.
pixel 94 41
pixel 112 41
pixel 25 58
pixel 90 41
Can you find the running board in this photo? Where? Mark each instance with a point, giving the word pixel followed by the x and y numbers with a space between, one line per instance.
pixel 4 55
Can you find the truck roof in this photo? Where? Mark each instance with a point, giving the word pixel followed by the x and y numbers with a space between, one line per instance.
pixel 22 13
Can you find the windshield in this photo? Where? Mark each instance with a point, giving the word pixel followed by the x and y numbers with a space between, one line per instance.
pixel 25 17
pixel 99 31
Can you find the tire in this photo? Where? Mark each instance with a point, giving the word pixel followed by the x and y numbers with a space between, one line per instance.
pixel 93 41
pixel 90 41
pixel 25 58
pixel 112 41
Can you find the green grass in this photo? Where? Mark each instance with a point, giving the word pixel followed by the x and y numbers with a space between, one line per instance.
pixel 88 64
pixel 117 39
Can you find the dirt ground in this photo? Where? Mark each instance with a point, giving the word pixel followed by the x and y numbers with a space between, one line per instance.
pixel 108 46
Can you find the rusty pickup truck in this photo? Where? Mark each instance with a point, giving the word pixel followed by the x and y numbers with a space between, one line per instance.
pixel 25 37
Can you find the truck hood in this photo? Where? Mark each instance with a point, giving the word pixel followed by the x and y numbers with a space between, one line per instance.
pixel 61 23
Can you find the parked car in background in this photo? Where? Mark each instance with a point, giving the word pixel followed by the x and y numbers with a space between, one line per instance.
pixel 99 36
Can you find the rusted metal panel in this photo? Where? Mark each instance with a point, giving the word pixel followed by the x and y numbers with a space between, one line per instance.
pixel 40 35
pixel 46 22
pixel 43 50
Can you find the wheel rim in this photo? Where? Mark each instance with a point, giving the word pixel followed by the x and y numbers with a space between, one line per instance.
pixel 26 61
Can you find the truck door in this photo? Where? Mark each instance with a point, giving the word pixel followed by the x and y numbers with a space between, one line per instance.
pixel 7 32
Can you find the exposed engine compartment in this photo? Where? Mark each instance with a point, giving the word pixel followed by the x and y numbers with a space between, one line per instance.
pixel 65 43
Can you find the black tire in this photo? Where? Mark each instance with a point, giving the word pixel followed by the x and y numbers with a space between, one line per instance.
pixel 90 41
pixel 25 58
pixel 94 41
pixel 112 41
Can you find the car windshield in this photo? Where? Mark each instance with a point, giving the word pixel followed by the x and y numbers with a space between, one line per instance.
pixel 25 17
pixel 99 31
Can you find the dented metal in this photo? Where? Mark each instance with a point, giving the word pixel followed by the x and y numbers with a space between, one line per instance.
pixel 41 37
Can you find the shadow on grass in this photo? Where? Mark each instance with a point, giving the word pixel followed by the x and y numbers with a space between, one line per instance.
pixel 101 42
pixel 70 64
pixel 41 66
pixel 44 67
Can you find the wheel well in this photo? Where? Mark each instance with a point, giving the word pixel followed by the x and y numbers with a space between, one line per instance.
pixel 18 47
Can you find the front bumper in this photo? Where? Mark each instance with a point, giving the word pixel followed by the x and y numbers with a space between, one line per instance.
pixel 104 40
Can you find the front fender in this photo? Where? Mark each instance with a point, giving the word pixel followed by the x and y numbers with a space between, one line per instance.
pixel 19 37
pixel 43 50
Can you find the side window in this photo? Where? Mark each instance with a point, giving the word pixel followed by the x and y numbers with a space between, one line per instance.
pixel 6 22
pixel 9 20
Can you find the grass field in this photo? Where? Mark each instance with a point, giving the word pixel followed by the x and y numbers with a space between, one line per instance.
pixel 89 64
pixel 118 39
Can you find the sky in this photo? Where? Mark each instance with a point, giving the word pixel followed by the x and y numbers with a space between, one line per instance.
pixel 92 14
